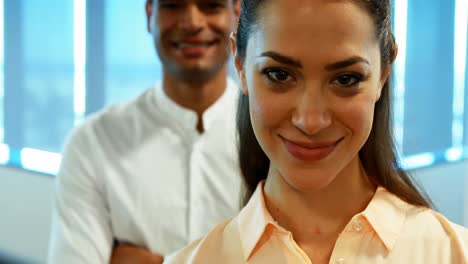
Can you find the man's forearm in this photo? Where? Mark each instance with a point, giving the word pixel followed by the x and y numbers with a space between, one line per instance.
pixel 126 254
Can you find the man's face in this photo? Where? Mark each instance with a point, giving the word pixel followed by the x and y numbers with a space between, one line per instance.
pixel 192 36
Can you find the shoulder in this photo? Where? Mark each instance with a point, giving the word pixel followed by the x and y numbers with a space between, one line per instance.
pixel 416 221
pixel 103 137
pixel 221 243
pixel 431 229
pixel 457 233
pixel 112 123
pixel 419 220
pixel 232 93
pixel 121 116
pixel 226 109
pixel 428 219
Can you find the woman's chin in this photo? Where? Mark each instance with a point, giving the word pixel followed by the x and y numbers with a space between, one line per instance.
pixel 308 183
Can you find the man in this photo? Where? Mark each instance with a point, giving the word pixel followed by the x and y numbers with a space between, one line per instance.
pixel 141 180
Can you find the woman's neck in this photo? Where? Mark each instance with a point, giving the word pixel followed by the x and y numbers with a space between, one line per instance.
pixel 321 214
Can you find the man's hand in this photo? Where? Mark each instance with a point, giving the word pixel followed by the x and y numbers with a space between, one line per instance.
pixel 129 254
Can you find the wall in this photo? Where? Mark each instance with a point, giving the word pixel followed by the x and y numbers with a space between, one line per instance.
pixel 447 186
pixel 25 214
pixel 26 203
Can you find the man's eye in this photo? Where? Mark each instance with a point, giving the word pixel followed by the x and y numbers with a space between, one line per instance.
pixel 347 80
pixel 212 6
pixel 277 75
pixel 168 5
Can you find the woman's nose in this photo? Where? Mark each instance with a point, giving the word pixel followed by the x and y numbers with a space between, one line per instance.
pixel 312 112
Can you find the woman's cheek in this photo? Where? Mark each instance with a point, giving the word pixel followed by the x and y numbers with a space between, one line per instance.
pixel 270 109
pixel 356 116
pixel 259 109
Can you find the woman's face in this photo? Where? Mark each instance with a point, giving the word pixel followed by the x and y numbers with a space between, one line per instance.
pixel 313 74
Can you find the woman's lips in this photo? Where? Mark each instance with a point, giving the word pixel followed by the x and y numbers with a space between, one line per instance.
pixel 308 151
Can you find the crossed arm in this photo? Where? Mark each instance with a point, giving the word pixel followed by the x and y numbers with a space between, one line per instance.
pixel 127 254
pixel 81 225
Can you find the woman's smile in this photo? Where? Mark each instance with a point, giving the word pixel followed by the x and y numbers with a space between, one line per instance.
pixel 310 151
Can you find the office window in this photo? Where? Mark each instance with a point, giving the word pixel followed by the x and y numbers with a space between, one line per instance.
pixel 429 77
pixel 465 142
pixel 131 62
pixel 465 76
pixel 2 91
pixel 2 105
pixel 48 73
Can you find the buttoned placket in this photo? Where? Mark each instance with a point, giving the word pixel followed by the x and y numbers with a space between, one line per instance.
pixel 354 229
pixel 193 171
pixel 346 246
pixel 183 123
pixel 299 250
pixel 288 240
pixel 341 253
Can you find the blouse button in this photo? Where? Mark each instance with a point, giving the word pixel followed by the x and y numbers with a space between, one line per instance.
pixel 340 261
pixel 357 226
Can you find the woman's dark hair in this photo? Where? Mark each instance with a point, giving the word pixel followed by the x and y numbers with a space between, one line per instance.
pixel 378 155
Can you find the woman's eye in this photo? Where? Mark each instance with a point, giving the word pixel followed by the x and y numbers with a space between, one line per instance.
pixel 277 75
pixel 347 80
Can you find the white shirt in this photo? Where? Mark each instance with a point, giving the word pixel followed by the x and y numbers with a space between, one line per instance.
pixel 141 173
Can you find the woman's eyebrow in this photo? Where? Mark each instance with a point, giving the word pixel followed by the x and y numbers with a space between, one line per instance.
pixel 345 63
pixel 281 58
pixel 296 63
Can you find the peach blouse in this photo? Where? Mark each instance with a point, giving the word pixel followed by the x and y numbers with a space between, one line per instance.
pixel 389 230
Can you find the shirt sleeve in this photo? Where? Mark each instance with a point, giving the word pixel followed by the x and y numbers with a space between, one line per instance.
pixel 81 229
pixel 460 237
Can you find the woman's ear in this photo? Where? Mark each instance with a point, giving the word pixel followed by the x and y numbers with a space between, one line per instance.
pixel 238 64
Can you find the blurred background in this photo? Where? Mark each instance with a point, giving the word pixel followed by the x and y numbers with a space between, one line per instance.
pixel 61 60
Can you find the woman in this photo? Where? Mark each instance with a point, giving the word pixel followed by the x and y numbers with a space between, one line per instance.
pixel 316 149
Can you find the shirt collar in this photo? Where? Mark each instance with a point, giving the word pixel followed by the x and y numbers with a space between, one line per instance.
pixel 225 104
pixel 386 214
pixel 253 221
pixel 187 118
